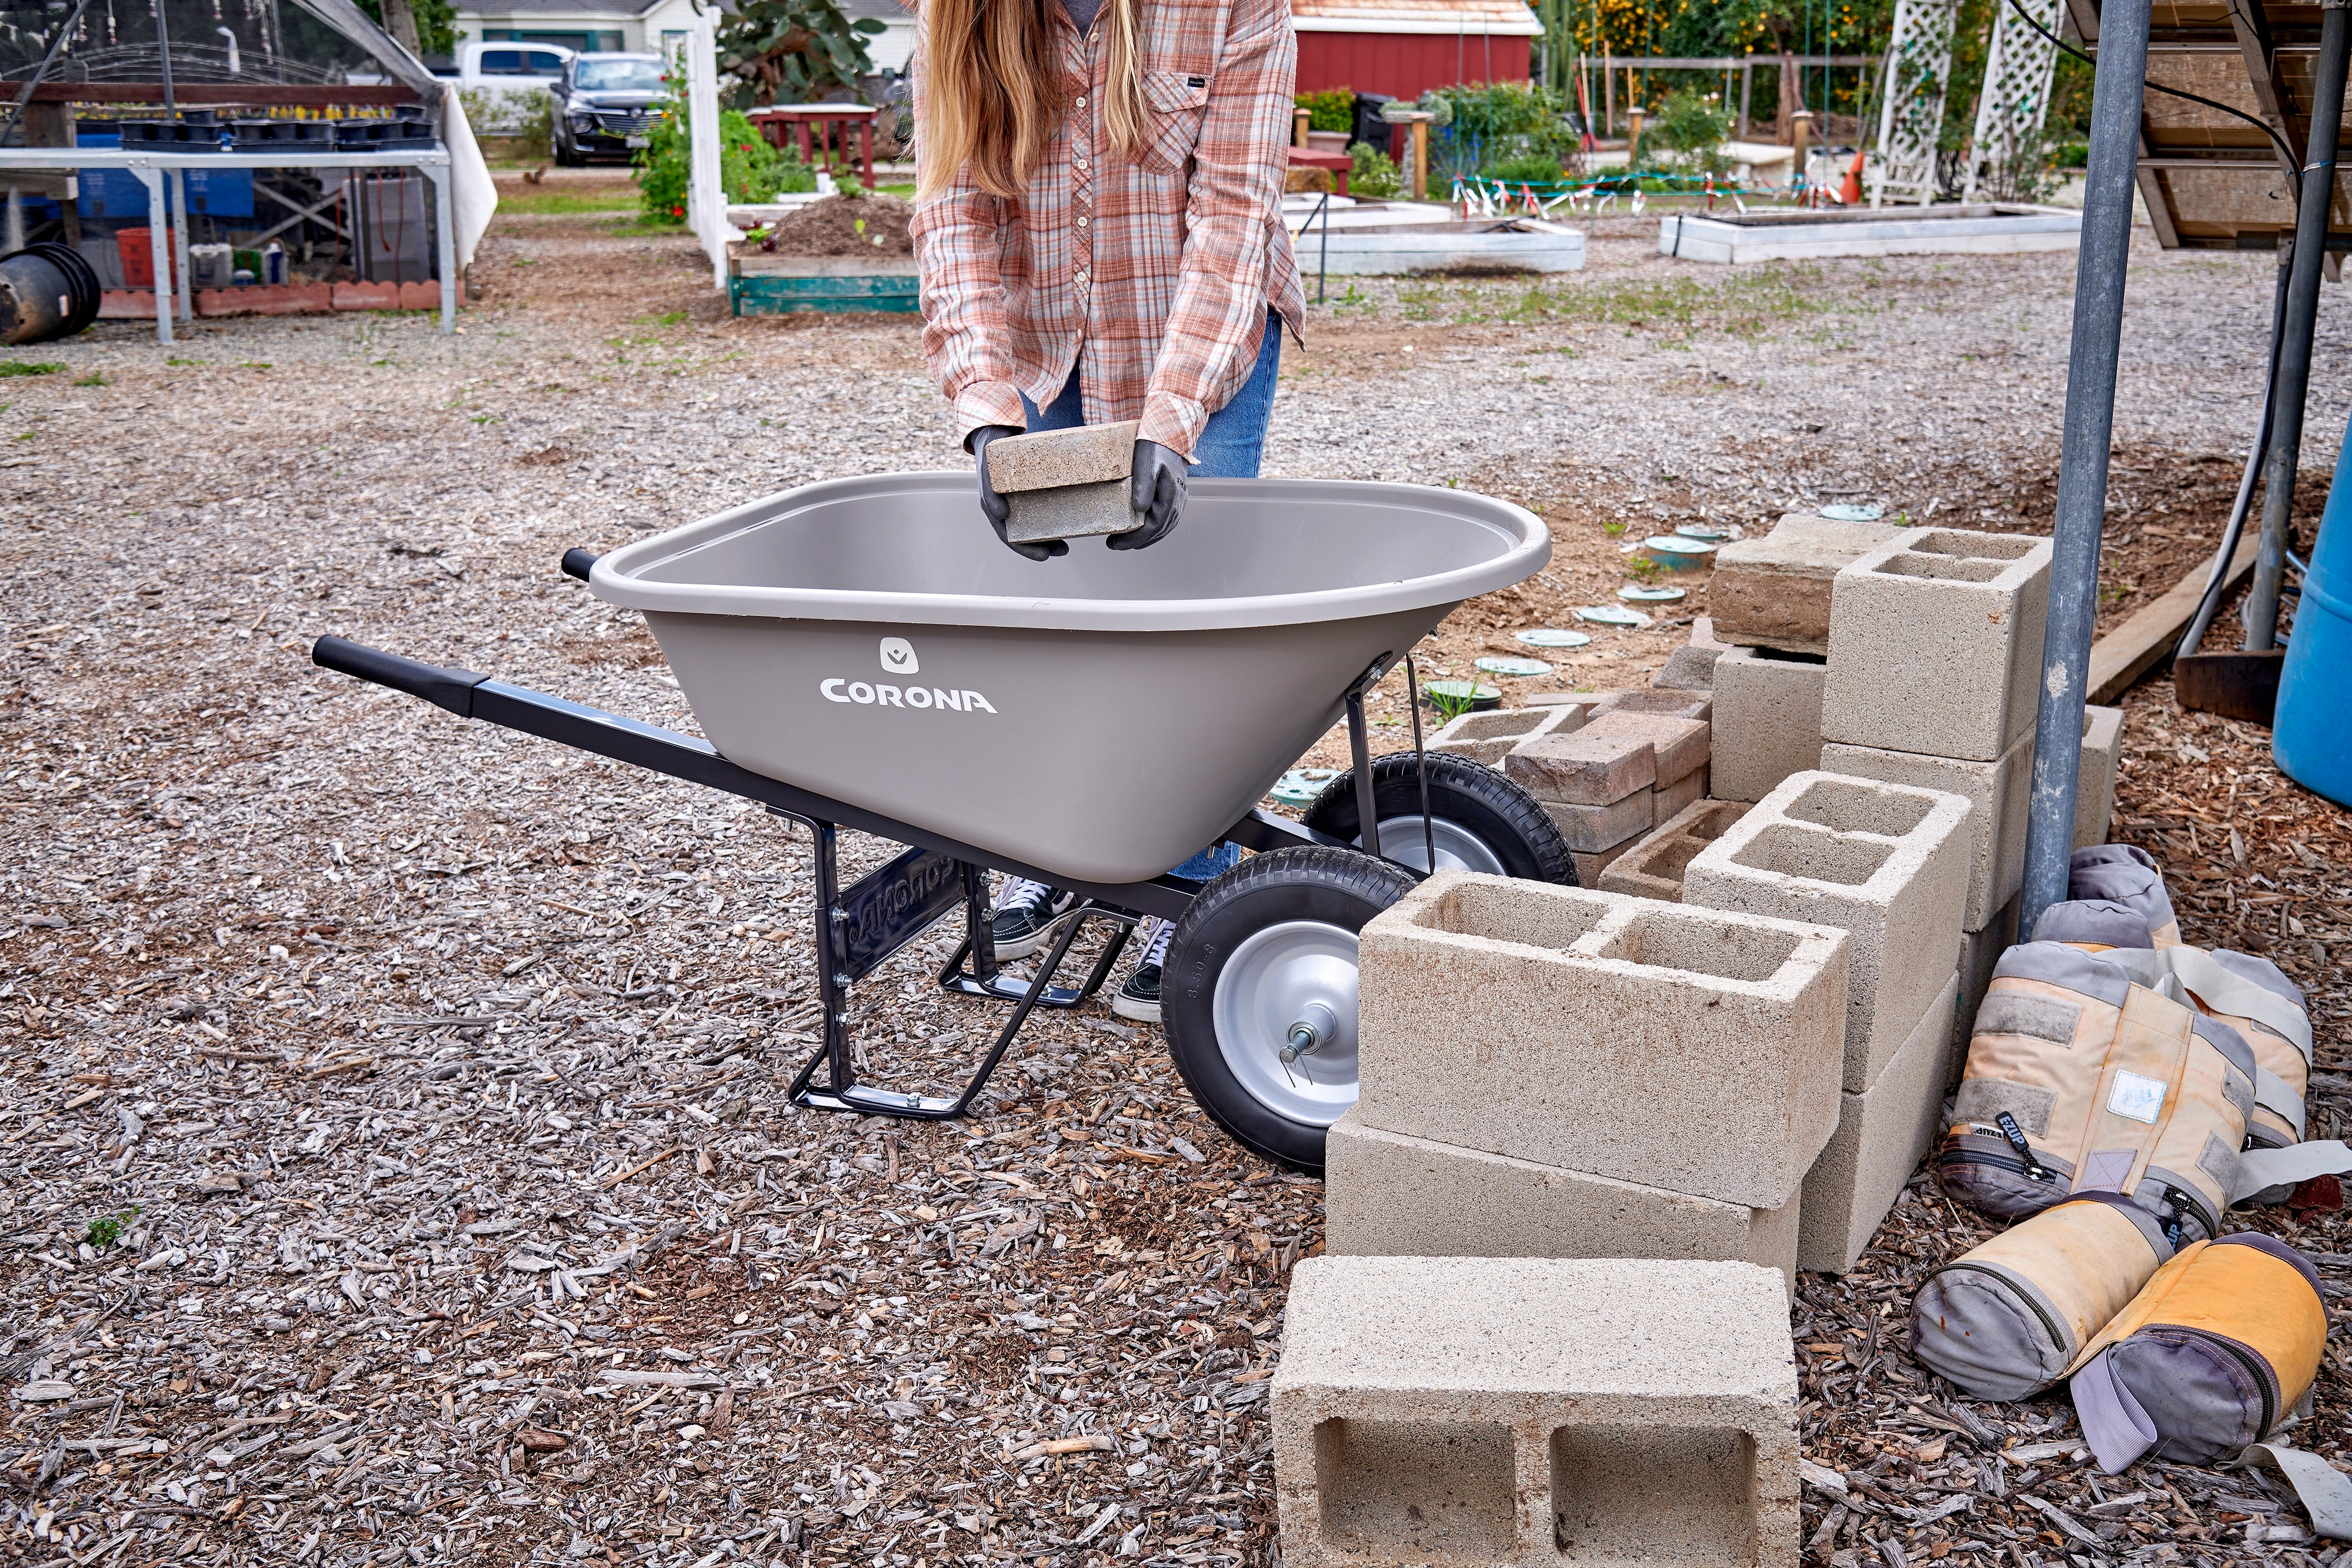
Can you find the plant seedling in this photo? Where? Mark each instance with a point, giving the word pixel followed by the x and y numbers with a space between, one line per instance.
pixel 106 1231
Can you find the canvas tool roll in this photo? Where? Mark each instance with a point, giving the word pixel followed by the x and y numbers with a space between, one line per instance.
pixel 2081 1080
pixel 2006 1320
pixel 2215 1352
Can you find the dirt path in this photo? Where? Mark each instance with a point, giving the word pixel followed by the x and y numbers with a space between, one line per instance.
pixel 401 1168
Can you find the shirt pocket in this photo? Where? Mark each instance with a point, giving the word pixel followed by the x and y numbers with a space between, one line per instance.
pixel 1176 102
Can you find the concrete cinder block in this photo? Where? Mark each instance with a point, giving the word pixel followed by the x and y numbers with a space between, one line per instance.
pixel 1997 794
pixel 1767 721
pixel 1773 591
pixel 1600 1032
pixel 1488 738
pixel 2095 786
pixel 1882 1136
pixel 1388 1194
pixel 1604 1411
pixel 1581 769
pixel 1673 799
pixel 1935 643
pixel 1887 863
pixel 1066 483
pixel 1682 744
pixel 1663 701
pixel 1979 951
pixel 1654 868
pixel 1603 829
pixel 1689 668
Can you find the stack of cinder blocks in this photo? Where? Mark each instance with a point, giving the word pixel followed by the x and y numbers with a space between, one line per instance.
pixel 1771 600
pixel 1934 657
pixel 1889 865
pixel 1553 1073
pixel 1482 1412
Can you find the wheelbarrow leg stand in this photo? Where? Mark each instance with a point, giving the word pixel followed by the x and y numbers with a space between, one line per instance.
pixel 841 1087
pixel 837 969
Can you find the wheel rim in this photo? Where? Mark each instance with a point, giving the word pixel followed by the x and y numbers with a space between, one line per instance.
pixel 1301 971
pixel 1459 849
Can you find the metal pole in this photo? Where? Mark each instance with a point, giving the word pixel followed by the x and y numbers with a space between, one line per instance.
pixel 2301 316
pixel 2082 453
pixel 164 53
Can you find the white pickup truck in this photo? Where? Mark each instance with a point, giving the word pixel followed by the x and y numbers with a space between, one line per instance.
pixel 504 85
pixel 497 64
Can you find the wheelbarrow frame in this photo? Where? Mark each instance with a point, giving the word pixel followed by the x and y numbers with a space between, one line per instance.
pixel 861 926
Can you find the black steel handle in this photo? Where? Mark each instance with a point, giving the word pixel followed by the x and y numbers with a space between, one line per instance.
pixel 579 563
pixel 441 686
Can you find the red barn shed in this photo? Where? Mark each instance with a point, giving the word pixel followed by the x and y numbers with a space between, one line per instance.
pixel 1404 48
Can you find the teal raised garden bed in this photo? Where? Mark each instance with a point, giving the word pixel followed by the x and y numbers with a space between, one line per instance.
pixel 763 285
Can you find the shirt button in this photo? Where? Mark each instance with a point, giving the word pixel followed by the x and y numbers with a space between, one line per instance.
pixel 1081 103
pixel 1082 222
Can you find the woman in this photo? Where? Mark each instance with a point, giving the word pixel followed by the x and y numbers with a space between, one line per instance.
pixel 1097 226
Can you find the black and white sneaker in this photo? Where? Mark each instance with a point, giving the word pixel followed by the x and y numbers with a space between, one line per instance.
pixel 1028 916
pixel 1139 997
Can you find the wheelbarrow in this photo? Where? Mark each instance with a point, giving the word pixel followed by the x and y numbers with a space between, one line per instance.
pixel 862 653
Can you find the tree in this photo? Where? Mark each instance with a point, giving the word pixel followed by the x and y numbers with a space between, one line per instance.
pixel 424 27
pixel 795 50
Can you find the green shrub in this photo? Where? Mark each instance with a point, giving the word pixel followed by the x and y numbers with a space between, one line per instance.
pixel 1375 173
pixel 1690 129
pixel 1332 111
pixel 748 169
pixel 1537 168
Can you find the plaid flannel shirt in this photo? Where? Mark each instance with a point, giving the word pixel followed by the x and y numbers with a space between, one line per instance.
pixel 1151 278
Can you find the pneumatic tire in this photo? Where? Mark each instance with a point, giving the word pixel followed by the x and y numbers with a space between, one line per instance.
pixel 1266 945
pixel 1481 820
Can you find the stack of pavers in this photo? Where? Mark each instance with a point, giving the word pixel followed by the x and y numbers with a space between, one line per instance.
pixel 1556 1072
pixel 1608 767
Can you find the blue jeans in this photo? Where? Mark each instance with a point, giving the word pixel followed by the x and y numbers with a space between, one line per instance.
pixel 1235 438
pixel 1230 448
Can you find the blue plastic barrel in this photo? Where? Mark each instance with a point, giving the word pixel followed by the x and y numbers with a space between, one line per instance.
pixel 2311 736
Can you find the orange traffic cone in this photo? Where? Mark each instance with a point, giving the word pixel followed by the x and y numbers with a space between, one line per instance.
pixel 1850 193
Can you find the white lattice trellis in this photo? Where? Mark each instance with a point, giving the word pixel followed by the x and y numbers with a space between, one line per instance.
pixel 2018 68
pixel 1911 115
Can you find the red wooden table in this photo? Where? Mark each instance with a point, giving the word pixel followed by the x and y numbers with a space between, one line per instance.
pixel 827 121
pixel 1340 164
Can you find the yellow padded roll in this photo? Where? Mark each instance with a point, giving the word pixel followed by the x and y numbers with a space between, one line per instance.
pixel 2240 1293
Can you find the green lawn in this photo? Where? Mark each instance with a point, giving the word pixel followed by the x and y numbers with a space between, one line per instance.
pixel 559 204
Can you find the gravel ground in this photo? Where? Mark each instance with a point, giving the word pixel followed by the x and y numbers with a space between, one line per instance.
pixel 401 1166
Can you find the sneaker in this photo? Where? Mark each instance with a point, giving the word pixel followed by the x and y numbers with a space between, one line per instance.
pixel 1028 916
pixel 1139 997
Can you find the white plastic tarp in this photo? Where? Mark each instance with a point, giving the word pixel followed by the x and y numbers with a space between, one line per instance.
pixel 473 195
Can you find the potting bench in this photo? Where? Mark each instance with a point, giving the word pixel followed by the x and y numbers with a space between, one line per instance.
pixel 153 168
pixel 802 119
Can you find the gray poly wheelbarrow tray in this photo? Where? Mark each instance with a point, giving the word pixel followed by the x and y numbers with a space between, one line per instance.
pixel 865 653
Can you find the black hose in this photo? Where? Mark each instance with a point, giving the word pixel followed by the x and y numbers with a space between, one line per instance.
pixel 2211 600
pixel 2261 125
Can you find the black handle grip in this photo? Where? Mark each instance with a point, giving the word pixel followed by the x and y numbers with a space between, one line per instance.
pixel 579 563
pixel 441 686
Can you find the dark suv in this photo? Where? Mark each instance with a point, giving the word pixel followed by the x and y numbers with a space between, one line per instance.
pixel 605 106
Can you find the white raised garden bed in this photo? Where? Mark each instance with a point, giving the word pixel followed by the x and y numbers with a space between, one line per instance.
pixel 1981 229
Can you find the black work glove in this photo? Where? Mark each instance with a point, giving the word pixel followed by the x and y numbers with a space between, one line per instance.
pixel 1158 498
pixel 998 510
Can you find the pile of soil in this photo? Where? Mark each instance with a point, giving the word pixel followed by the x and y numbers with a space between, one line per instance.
pixel 832 227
